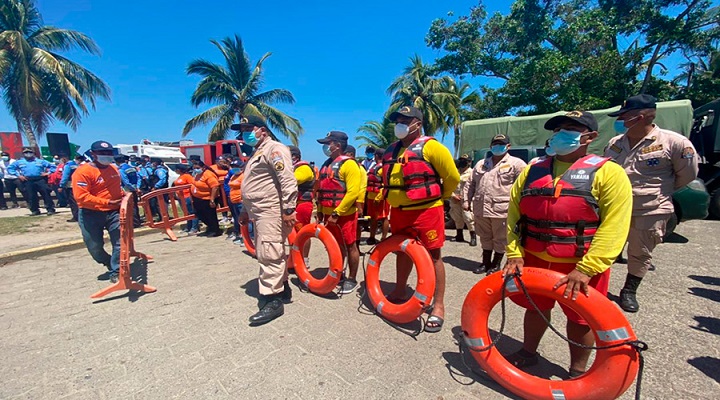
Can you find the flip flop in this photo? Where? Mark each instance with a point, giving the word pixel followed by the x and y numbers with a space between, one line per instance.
pixel 437 321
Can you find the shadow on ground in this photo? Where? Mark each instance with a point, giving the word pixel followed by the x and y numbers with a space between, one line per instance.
pixel 707 324
pixel 676 238
pixel 139 274
pixel 460 263
pixel 709 294
pixel 709 366
pixel 708 280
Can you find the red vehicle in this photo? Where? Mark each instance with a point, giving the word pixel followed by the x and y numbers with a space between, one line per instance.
pixel 209 152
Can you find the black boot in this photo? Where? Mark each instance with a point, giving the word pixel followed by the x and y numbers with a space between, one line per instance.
pixel 286 295
pixel 473 239
pixel 497 259
pixel 459 237
pixel 271 310
pixel 486 263
pixel 628 302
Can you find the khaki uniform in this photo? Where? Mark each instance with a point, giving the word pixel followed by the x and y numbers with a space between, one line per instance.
pixel 659 164
pixel 269 187
pixel 488 193
pixel 457 213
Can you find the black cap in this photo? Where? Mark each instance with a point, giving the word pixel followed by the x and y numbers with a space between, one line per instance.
pixel 582 117
pixel 370 149
pixel 295 151
pixel 250 121
pixel 407 111
pixel 101 145
pixel 500 138
pixel 156 160
pixel 28 148
pixel 639 102
pixel 350 150
pixel 336 136
pixel 182 167
pixel 121 158
pixel 194 157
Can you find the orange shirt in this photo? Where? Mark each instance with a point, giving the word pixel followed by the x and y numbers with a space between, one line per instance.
pixel 94 187
pixel 235 184
pixel 203 185
pixel 219 171
pixel 184 179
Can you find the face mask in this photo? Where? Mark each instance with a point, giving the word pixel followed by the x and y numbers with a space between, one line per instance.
pixel 549 152
pixel 620 125
pixel 235 171
pixel 499 149
pixel 401 131
pixel 197 171
pixel 250 139
pixel 28 155
pixel 105 160
pixel 56 161
pixel 326 150
pixel 565 142
pixel 5 158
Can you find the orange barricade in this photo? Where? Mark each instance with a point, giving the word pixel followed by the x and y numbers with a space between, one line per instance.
pixel 127 250
pixel 170 218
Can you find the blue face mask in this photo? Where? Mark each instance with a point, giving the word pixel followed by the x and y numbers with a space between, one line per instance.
pixel 197 171
pixel 235 171
pixel 549 151
pixel 326 150
pixel 620 127
pixel 249 138
pixel 565 142
pixel 4 158
pixel 499 149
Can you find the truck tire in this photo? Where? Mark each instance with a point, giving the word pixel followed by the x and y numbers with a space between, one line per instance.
pixel 670 227
pixel 714 207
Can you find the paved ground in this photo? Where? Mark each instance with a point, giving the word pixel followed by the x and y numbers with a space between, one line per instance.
pixel 191 339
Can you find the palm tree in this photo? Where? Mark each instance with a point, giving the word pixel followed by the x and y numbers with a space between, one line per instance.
pixel 39 85
pixel 377 134
pixel 418 87
pixel 235 91
pixel 461 110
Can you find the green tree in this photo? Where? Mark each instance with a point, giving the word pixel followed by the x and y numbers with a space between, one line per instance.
pixel 235 89
pixel 40 85
pixel 700 79
pixel 418 87
pixel 377 134
pixel 465 103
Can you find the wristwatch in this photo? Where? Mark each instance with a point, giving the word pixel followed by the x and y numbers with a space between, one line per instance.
pixel 289 211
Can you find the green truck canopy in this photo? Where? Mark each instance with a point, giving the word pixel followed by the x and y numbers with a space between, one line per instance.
pixel 529 131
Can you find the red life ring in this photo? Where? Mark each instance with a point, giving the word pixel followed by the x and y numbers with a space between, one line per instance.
pixel 613 371
pixel 334 273
pixel 247 239
pixel 421 299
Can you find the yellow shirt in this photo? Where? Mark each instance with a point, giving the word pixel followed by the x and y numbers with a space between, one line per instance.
pixel 304 174
pixel 439 156
pixel 611 187
pixel 350 174
pixel 363 185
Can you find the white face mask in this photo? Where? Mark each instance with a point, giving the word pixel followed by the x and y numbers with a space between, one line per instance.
pixel 401 131
pixel 105 160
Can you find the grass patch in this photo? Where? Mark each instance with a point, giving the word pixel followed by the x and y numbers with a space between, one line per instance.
pixel 15 225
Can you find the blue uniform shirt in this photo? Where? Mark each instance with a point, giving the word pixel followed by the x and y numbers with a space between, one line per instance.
pixel 129 177
pixel 33 168
pixel 162 175
pixel 66 179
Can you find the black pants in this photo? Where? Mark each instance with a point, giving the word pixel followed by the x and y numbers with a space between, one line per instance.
pixel 206 214
pixel 3 204
pixel 33 186
pixel 71 202
pixel 12 186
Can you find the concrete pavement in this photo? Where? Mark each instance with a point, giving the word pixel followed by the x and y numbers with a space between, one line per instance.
pixel 191 339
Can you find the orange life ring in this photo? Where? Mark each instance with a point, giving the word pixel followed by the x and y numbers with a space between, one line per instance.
pixel 247 239
pixel 613 371
pixel 334 273
pixel 421 299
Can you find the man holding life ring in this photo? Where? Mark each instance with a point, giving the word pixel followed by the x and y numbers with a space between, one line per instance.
pixel 419 173
pixel 568 213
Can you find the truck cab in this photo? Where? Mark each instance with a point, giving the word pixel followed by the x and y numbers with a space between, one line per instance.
pixel 209 152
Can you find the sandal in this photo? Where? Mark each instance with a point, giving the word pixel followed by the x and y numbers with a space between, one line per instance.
pixel 437 324
pixel 522 359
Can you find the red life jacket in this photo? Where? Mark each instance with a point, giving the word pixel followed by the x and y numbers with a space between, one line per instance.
pixel 305 190
pixel 421 180
pixel 374 182
pixel 563 219
pixel 332 188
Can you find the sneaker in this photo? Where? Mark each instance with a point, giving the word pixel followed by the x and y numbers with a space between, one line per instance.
pixel 113 278
pixel 15 205
pixel 71 220
pixel 231 236
pixel 105 276
pixel 239 242
pixel 348 286
pixel 51 212
pixel 3 208
pixel 35 213
pixel 192 232
pixel 216 234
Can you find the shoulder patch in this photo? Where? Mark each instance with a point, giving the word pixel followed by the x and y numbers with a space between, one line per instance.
pixel 616 148
pixel 595 160
pixel 688 152
pixel 279 166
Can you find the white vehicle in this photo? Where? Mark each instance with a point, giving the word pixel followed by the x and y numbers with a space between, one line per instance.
pixel 169 155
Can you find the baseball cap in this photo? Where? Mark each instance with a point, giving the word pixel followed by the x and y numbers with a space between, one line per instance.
pixel 581 117
pixel 250 121
pixel 295 151
pixel 639 102
pixel 407 111
pixel 28 149
pixel 101 145
pixel 350 149
pixel 336 136
pixel 500 138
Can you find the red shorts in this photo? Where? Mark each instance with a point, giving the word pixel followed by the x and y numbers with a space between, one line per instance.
pixel 427 224
pixel 347 225
pixel 600 282
pixel 303 213
pixel 377 209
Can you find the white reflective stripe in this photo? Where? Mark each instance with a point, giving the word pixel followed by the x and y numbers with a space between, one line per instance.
pixel 404 244
pixel 614 334
pixel 558 394
pixel 307 282
pixel 332 273
pixel 371 262
pixel 474 343
pixel 380 307
pixel 317 232
pixel 420 296
pixel 295 248
pixel 511 286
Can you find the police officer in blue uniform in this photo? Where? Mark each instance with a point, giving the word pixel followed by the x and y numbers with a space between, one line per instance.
pixel 33 172
pixel 66 185
pixel 158 179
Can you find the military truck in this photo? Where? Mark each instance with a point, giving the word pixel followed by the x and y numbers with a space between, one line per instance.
pixel 528 136
pixel 705 136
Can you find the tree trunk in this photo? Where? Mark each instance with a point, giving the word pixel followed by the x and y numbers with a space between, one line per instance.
pixel 29 134
pixel 651 65
pixel 456 140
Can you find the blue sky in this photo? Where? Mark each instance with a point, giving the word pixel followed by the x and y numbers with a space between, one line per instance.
pixel 336 57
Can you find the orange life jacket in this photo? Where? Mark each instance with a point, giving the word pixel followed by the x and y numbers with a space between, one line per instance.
pixel 332 188
pixel 374 182
pixel 420 179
